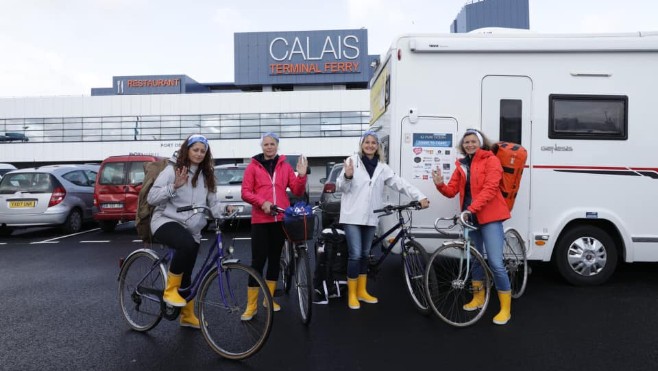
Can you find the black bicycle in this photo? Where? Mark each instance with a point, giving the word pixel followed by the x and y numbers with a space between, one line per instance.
pixel 219 287
pixel 413 254
pixel 295 263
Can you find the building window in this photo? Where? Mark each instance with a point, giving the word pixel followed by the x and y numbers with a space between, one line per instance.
pixel 510 120
pixel 596 117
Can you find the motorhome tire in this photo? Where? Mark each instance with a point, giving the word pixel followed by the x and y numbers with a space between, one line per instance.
pixel 586 256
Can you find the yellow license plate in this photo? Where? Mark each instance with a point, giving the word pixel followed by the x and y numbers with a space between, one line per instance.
pixel 22 204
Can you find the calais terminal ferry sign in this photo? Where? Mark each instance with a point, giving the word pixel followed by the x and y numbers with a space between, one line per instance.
pixel 303 57
pixel 339 54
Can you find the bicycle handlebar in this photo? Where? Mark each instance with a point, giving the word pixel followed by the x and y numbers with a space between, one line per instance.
pixel 457 219
pixel 388 209
pixel 206 210
pixel 276 210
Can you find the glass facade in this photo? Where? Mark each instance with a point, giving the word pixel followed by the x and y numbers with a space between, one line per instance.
pixel 177 127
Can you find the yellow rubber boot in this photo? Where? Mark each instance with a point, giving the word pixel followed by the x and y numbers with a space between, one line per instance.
pixel 478 297
pixel 171 295
pixel 361 292
pixel 272 286
pixel 352 299
pixel 252 304
pixel 188 317
pixel 505 313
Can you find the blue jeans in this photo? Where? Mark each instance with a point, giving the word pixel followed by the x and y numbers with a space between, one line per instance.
pixel 493 238
pixel 359 238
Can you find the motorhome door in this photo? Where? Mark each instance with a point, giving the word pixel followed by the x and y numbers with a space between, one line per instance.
pixel 506 103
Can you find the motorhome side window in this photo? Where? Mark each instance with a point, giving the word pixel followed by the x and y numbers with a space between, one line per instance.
pixel 510 120
pixel 588 117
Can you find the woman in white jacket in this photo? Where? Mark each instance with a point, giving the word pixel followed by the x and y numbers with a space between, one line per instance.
pixel 362 183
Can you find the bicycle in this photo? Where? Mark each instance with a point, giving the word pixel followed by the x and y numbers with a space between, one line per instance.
pixel 448 280
pixel 294 262
pixel 413 254
pixel 220 289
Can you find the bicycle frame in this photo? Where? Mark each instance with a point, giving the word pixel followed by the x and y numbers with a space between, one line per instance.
pixel 214 258
pixel 402 236
pixel 468 243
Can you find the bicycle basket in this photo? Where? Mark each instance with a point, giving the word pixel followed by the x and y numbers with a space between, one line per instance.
pixel 299 222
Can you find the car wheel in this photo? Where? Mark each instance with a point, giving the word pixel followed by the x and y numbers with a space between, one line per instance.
pixel 586 256
pixel 108 225
pixel 73 223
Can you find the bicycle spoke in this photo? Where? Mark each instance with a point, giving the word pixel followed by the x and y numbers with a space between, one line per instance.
pixel 141 284
pixel 303 284
pixel 515 262
pixel 414 261
pixel 220 309
pixel 450 288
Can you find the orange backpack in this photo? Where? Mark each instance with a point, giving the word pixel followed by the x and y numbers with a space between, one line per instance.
pixel 512 157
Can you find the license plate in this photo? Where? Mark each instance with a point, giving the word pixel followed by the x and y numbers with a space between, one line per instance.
pixel 238 208
pixel 112 206
pixel 22 204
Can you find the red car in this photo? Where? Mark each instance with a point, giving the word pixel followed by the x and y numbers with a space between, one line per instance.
pixel 117 187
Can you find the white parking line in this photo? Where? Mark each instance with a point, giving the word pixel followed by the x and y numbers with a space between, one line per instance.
pixel 68 235
pixel 105 241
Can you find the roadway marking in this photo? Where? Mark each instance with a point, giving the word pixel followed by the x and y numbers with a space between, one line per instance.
pixel 60 237
pixel 104 241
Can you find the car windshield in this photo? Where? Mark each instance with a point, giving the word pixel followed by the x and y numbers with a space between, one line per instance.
pixel 26 182
pixel 229 176
pixel 334 173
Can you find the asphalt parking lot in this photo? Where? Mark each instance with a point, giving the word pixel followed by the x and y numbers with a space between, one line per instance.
pixel 61 312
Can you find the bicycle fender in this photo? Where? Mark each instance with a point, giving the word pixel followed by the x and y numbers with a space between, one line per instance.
pixel 148 251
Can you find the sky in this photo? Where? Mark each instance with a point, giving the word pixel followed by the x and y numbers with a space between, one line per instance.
pixel 66 47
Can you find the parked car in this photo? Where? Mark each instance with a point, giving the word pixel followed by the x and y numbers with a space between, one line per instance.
pixel 47 196
pixel 229 187
pixel 117 188
pixel 330 198
pixel 5 168
pixel 11 137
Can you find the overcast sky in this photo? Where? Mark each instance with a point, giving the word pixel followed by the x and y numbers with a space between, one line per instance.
pixel 66 47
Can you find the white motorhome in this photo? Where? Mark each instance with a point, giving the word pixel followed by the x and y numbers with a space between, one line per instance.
pixel 583 106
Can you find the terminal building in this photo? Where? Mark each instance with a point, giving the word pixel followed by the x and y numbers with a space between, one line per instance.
pixel 492 13
pixel 310 87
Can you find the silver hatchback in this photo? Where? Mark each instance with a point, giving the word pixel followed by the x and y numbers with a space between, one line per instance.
pixel 53 195
pixel 229 187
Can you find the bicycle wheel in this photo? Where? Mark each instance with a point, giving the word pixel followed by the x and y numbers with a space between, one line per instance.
pixel 285 266
pixel 448 282
pixel 303 284
pixel 414 261
pixel 221 300
pixel 141 284
pixel 516 262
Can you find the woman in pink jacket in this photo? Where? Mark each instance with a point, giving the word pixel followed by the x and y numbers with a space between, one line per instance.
pixel 265 181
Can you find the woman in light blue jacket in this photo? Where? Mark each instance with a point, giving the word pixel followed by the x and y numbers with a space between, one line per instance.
pixel 188 180
pixel 362 182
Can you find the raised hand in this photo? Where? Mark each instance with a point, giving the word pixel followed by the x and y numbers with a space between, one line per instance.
pixel 302 165
pixel 348 165
pixel 437 176
pixel 181 177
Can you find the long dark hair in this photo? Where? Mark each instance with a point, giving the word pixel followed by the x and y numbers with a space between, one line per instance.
pixel 207 166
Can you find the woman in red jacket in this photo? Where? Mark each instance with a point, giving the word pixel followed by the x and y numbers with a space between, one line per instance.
pixel 265 181
pixel 476 179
